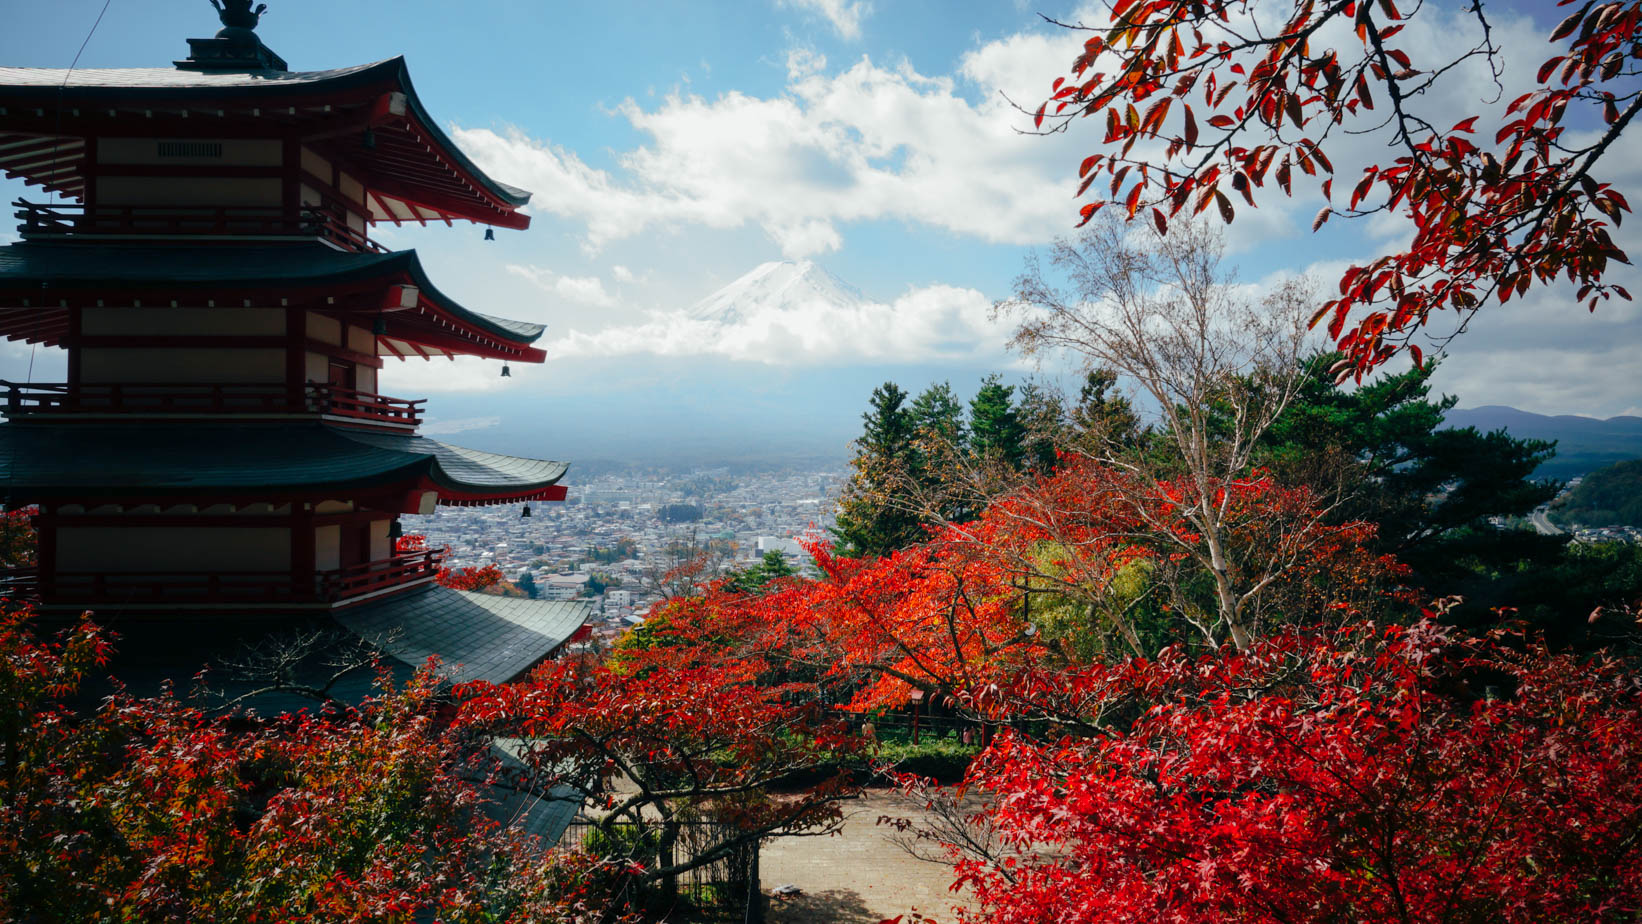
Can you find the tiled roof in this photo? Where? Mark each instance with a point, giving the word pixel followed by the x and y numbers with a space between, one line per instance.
pixel 174 78
pixel 89 460
pixel 90 87
pixel 476 636
pixel 35 267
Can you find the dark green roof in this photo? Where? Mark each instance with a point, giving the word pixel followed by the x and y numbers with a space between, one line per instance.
pixel 85 87
pixel 476 636
pixel 36 267
pixel 70 461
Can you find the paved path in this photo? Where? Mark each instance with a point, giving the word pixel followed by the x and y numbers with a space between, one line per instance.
pixel 858 877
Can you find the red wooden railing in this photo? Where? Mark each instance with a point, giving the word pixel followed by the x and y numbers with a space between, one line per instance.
pixel 190 398
pixel 69 220
pixel 150 587
pixel 364 405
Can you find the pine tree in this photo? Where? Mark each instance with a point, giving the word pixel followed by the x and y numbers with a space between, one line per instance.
pixel 874 515
pixel 996 433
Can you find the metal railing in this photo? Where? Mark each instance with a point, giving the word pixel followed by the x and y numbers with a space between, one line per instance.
pixel 203 398
pixel 327 223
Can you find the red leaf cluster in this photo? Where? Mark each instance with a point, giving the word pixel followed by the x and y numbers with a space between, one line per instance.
pixel 1490 217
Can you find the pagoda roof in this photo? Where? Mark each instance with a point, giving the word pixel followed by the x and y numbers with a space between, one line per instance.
pixel 51 272
pixel 475 636
pixel 254 461
pixel 413 169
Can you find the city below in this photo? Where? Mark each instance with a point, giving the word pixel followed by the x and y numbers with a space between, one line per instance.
pixel 619 539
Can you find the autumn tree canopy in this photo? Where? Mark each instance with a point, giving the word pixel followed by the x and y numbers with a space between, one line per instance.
pixel 1215 102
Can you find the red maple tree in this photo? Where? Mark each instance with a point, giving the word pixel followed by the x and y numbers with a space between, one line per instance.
pixel 1369 775
pixel 1206 102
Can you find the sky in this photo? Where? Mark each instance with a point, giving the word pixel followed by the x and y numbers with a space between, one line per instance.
pixel 679 146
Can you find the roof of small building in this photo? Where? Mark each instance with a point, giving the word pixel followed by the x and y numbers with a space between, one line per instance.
pixel 40 268
pixel 270 459
pixel 245 94
pixel 475 636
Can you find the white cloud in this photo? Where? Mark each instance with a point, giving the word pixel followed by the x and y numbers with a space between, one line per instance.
pixel 870 142
pixel 622 273
pixel 932 324
pixel 587 290
pixel 802 62
pixel 844 15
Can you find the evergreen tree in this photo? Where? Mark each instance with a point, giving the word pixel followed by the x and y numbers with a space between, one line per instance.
pixel 1042 416
pixel 937 413
pixel 1103 417
pixel 874 513
pixel 995 430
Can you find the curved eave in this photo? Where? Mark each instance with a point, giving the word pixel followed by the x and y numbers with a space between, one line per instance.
pixel 39 281
pixel 42 128
pixel 201 462
pixel 472 477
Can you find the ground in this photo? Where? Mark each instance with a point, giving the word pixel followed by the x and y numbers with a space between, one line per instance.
pixel 858 877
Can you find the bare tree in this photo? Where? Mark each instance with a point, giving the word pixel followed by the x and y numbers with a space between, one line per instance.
pixel 1216 362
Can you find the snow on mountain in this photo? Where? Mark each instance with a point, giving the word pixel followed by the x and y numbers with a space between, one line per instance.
pixel 784 286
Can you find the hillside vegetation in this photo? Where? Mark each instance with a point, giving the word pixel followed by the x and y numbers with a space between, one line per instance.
pixel 1609 496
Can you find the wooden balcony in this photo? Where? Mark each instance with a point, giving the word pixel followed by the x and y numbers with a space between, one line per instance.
pixel 211 400
pixel 73 221
pixel 192 588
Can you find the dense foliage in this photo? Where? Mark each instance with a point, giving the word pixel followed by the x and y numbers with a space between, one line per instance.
pixel 1610 496
pixel 155 810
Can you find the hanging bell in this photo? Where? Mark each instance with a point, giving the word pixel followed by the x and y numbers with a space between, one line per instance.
pixel 506 373
pixel 368 140
pixel 395 530
pixel 525 512
pixel 490 234
pixel 380 328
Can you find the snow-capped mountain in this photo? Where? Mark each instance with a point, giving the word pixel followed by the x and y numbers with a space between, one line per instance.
pixel 780 286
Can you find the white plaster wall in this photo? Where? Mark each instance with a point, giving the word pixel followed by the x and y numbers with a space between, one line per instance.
pixel 220 365
pixel 188 191
pixel 173 548
pixel 361 340
pixel 316 367
pixel 327 548
pixel 380 546
pixel 238 152
pixel 204 322
pixel 324 329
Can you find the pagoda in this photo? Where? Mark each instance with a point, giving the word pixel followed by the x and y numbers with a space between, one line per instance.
pixel 220 452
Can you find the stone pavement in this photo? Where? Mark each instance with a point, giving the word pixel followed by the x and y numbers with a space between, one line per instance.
pixel 858 877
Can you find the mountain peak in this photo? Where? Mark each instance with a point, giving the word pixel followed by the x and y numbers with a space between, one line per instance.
pixel 780 285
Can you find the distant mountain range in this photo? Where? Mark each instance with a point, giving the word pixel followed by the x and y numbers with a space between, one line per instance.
pixel 1584 444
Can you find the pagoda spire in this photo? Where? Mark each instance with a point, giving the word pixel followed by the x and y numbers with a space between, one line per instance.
pixel 236 46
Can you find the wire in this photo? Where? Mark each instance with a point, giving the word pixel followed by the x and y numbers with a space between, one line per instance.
pixel 57 134
pixel 76 62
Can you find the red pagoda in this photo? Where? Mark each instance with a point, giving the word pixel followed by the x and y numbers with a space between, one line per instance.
pixel 220 450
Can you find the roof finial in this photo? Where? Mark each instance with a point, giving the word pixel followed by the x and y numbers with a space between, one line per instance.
pixel 237 14
pixel 236 46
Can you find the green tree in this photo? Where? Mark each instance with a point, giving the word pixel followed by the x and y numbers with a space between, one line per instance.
pixel 995 428
pixel 1103 416
pixel 875 514
pixel 753 578
pixel 1042 417
pixel 938 413
pixel 1381 451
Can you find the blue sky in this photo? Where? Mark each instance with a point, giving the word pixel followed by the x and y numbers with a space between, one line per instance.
pixel 674 146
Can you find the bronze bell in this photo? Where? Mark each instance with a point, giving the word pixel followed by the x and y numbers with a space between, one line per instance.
pixel 506 373
pixel 525 512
